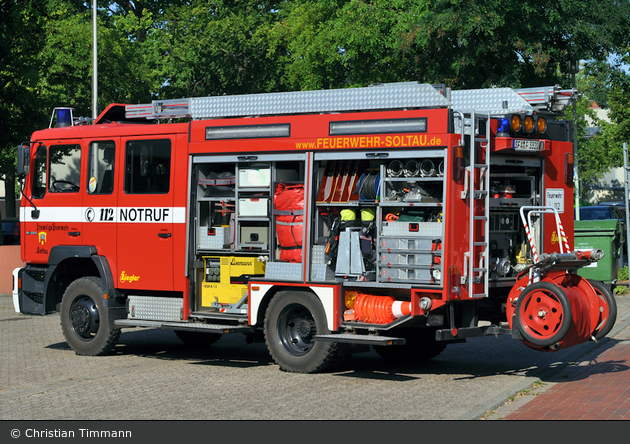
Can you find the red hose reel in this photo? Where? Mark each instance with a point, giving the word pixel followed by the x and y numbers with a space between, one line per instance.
pixel 561 310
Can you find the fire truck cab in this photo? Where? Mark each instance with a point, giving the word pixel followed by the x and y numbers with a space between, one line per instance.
pixel 399 216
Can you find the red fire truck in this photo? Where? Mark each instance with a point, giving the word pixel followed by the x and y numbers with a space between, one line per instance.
pixel 402 217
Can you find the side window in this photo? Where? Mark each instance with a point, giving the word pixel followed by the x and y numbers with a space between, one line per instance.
pixel 39 177
pixel 147 166
pixel 101 160
pixel 64 168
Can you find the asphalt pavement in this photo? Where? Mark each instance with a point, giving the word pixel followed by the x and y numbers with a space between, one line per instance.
pixel 152 377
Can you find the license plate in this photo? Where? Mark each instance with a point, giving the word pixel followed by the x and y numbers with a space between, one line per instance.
pixel 528 145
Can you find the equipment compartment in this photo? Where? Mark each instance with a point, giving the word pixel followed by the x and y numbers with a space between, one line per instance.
pixel 366 208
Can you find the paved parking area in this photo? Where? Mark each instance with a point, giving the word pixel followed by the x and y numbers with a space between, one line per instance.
pixel 153 376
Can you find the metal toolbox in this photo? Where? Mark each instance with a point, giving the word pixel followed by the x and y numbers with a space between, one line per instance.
pixel 284 271
pixel 213 238
pixel 322 272
pixel 155 308
pixel 318 254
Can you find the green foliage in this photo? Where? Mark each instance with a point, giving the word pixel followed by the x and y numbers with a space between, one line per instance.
pixel 463 43
pixel 608 84
pixel 221 47
pixel 179 48
pixel 622 273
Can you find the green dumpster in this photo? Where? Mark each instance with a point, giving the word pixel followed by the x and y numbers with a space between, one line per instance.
pixel 606 236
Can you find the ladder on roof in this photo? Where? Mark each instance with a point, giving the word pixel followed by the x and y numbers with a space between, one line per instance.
pixel 403 95
pixel 476 273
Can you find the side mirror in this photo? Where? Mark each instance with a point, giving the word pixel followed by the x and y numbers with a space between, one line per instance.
pixel 23 159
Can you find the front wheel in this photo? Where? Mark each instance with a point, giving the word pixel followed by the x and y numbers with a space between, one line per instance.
pixel 84 321
pixel 293 318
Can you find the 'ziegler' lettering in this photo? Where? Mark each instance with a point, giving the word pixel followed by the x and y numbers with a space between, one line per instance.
pixel 124 277
pixel 144 214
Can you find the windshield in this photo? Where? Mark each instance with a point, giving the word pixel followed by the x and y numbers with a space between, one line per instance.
pixel 595 213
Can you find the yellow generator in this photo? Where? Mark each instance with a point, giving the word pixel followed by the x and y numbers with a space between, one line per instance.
pixel 226 277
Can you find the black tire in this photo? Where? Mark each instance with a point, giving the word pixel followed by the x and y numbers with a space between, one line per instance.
pixel 543 314
pixel 420 345
pixel 84 320
pixel 291 321
pixel 606 321
pixel 197 338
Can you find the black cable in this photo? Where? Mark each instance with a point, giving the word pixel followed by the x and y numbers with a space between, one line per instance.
pixel 367 188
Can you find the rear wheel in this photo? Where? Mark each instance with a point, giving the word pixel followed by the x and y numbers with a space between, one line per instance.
pixel 607 309
pixel 293 318
pixel 543 314
pixel 84 320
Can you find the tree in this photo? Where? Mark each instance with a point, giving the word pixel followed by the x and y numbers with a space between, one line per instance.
pixel 608 84
pixel 219 47
pixel 21 37
pixel 170 49
pixel 463 43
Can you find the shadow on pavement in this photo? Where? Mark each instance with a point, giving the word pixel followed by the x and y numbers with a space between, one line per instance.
pixel 479 358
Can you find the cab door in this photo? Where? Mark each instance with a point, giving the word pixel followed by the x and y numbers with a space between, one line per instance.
pixel 145 214
pixel 56 195
pixel 100 197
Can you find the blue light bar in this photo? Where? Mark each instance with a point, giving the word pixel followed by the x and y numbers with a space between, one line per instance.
pixel 62 117
pixel 503 128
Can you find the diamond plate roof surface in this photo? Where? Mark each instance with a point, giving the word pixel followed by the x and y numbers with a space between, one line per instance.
pixel 386 96
pixel 403 95
pixel 491 101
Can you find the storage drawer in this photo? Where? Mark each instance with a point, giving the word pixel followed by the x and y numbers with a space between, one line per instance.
pixel 412 229
pixel 406 244
pixel 254 177
pixel 387 259
pixel 395 274
pixel 253 207
pixel 254 237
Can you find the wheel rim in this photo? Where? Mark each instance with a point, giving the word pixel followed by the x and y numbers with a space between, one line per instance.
pixel 84 318
pixel 541 314
pixel 296 328
pixel 604 311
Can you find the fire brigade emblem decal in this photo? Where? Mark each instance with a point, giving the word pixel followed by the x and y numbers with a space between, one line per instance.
pixel 89 214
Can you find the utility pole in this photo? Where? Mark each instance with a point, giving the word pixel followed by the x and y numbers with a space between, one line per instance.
pixel 626 173
pixel 573 69
pixel 94 64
